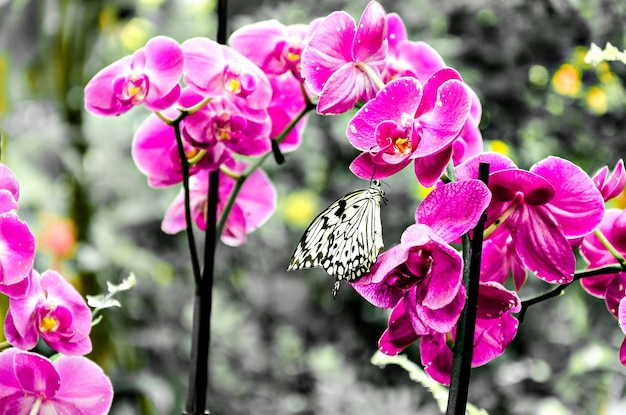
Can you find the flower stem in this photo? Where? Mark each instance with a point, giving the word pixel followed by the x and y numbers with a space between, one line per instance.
pixel 555 292
pixel 203 299
pixel 255 165
pixel 184 164
pixel 464 346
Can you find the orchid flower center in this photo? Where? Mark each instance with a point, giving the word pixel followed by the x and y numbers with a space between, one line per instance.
pixel 517 200
pixel 36 406
pixel 132 88
pixel 54 318
pixel 227 127
pixel 238 82
pixel 48 324
pixel 402 145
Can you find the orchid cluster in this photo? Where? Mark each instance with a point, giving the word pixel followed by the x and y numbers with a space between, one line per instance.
pixel 42 306
pixel 227 108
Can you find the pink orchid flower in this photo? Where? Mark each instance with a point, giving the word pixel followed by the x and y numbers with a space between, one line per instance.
pixel 254 205
pixel 407 58
pixel 424 272
pixel 287 103
pixel 150 77
pixel 214 70
pixel 611 287
pixel 611 185
pixel 32 384
pixel 495 329
pixel 342 62
pixel 155 151
pixel 53 309
pixel 622 324
pixel 17 254
pixel 221 124
pixel 272 46
pixel 9 184
pixel 542 209
pixel 407 122
pixel 500 259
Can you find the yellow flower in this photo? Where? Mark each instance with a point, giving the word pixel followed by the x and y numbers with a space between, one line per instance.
pixel 300 207
pixel 597 100
pixel 566 81
pixel 498 146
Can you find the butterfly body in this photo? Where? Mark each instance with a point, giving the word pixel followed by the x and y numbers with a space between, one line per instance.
pixel 344 239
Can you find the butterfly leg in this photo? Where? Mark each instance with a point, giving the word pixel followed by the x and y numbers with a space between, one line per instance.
pixel 336 287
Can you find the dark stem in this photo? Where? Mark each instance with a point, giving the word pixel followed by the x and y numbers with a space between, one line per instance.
pixel 555 292
pixel 184 164
pixel 203 299
pixel 464 345
pixel 279 157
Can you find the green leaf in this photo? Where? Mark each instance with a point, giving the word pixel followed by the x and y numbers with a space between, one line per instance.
pixel 417 374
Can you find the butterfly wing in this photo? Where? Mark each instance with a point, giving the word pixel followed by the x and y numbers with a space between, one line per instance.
pixel 345 239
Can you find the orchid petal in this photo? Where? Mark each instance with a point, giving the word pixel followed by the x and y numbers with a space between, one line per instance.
pixel 329 48
pixel 364 167
pixel 577 204
pixel 615 292
pixel 83 384
pixel 397 98
pixel 343 90
pixel 496 161
pixel 436 357
pixel 454 208
pixel 370 40
pixel 36 374
pixel 440 320
pixel 429 169
pixel 540 243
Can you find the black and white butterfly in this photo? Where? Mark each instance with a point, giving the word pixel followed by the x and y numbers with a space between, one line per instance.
pixel 345 239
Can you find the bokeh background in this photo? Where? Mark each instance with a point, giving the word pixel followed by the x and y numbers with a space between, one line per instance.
pixel 281 344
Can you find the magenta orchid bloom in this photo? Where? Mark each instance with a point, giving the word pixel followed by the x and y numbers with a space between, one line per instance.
pixel 254 205
pixel 32 384
pixel 150 77
pixel 408 122
pixel 220 123
pixel 419 60
pixel 495 329
pixel 611 185
pixel 214 70
pixel 500 259
pixel 17 253
pixel 613 227
pixel 272 46
pixel 287 103
pixel 155 151
pixel 342 62
pixel 10 185
pixel 424 272
pixel 622 324
pixel 407 58
pixel 542 209
pixel 54 309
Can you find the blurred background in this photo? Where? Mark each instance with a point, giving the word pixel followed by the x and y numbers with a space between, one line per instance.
pixel 281 344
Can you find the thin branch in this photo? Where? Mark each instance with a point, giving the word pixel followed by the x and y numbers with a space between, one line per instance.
pixel 558 290
pixel 255 165
pixel 184 164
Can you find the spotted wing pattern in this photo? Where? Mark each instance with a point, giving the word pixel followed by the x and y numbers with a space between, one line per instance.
pixel 345 239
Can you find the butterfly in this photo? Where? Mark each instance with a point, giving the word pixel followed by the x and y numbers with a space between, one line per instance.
pixel 344 239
